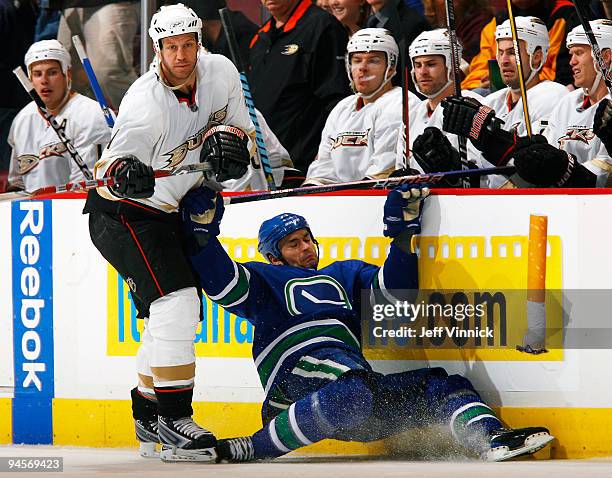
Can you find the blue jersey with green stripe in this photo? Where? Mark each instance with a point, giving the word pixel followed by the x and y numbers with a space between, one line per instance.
pixel 294 309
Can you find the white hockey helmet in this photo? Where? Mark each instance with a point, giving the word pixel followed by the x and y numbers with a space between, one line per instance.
pixel 171 20
pixel 48 50
pixel 602 29
pixel 434 42
pixel 532 31
pixel 368 40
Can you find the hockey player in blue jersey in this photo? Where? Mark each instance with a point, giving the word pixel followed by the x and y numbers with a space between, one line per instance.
pixel 307 340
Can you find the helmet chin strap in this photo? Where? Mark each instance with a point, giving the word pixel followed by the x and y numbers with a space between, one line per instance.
pixel 534 72
pixel 434 95
pixel 162 77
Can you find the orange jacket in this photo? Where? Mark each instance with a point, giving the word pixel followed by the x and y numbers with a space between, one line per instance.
pixel 561 20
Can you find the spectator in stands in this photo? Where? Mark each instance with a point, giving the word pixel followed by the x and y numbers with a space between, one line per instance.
pixel 107 31
pixel 17 22
pixel 47 22
pixel 214 39
pixel 297 74
pixel 360 135
pixel 404 23
pixel 560 17
pixel 470 18
pixel 324 4
pixel 351 13
pixel 39 158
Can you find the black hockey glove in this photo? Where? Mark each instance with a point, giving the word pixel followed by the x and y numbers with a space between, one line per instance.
pixel 546 166
pixel 292 178
pixel 226 148
pixel 201 212
pixel 398 173
pixel 435 154
pixel 134 178
pixel 602 124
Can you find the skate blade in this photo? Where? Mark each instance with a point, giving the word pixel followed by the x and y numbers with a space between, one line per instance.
pixel 533 443
pixel 148 450
pixel 174 454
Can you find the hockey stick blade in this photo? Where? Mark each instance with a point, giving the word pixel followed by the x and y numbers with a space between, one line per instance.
pixel 86 185
pixel 424 179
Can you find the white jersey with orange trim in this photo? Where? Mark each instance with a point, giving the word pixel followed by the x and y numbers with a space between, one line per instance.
pixel 358 140
pixel 163 132
pixel 40 159
pixel 541 100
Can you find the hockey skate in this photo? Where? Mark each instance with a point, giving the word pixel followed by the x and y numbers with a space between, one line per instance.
pixel 235 450
pixel 183 439
pixel 506 443
pixel 146 433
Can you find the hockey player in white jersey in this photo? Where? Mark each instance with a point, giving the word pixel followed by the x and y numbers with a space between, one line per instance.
pixel 573 156
pixel 360 136
pixel 432 150
pixel 190 110
pixel 571 124
pixel 38 157
pixel 542 96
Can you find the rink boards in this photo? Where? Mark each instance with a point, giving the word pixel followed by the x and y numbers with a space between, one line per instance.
pixel 69 333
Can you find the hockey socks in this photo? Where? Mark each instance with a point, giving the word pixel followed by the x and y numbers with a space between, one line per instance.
pixel 471 421
pixel 143 406
pixel 174 398
pixel 340 405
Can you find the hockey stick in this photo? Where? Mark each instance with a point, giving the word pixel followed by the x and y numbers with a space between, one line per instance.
pixel 109 181
pixel 93 81
pixel 262 151
pixel 519 67
pixel 432 178
pixel 59 130
pixel 452 38
pixel 583 15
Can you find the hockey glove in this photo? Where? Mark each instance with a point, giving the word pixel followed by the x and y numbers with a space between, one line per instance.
pixel 134 179
pixel 201 211
pixel 602 124
pixel 467 117
pixel 226 148
pixel 546 166
pixel 435 154
pixel 403 210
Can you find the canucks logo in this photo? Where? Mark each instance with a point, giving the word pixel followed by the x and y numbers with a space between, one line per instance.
pixel 310 294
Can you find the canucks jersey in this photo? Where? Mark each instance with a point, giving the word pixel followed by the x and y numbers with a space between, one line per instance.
pixel 295 310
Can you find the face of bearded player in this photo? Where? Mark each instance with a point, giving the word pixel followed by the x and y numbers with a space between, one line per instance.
pixel 298 250
pixel 179 54
pixel 50 82
pixel 368 71
pixel 430 73
pixel 507 61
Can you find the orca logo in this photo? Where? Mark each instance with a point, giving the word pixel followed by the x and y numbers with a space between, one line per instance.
pixel 309 294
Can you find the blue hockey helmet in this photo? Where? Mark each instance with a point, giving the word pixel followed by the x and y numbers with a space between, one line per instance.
pixel 273 230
